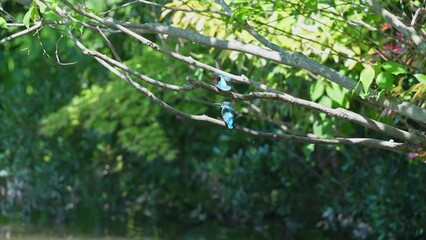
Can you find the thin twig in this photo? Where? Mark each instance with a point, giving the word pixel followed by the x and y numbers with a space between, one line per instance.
pixel 21 33
pixel 57 54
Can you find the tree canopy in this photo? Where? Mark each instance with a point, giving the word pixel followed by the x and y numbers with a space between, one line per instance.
pixel 111 113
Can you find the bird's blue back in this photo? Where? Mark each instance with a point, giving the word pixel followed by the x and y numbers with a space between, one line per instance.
pixel 228 117
pixel 221 83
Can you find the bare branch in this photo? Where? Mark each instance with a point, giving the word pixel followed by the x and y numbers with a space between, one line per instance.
pixel 23 32
pixel 137 74
pixel 58 60
pixel 339 112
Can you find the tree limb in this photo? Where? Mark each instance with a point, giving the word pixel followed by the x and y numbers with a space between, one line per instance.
pixel 339 112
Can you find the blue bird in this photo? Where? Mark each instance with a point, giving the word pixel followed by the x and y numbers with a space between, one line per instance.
pixel 227 114
pixel 220 82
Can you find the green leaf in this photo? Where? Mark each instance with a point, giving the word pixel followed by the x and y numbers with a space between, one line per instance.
pixel 317 129
pixel 322 128
pixel 394 68
pixel 35 15
pixel 41 6
pixel 50 15
pixel 31 14
pixel 385 80
pixel 421 78
pixel 326 101
pixel 316 91
pixel 27 18
pixel 312 4
pixel 363 95
pixel 336 93
pixel 242 16
pixel 3 23
pixel 308 149
pixel 366 77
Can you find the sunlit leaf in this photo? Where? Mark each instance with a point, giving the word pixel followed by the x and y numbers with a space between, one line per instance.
pixel 394 68
pixel 3 23
pixel 42 6
pixel 366 78
pixel 27 18
pixel 421 78
pixel 326 101
pixel 316 91
pixel 336 93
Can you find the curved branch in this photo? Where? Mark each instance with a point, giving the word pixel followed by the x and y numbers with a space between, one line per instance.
pixel 137 74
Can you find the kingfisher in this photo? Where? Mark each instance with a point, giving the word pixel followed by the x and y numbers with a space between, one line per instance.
pixel 227 114
pixel 220 82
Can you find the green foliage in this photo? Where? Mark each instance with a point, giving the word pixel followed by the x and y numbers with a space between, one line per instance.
pixel 421 78
pixel 118 110
pixel 382 75
pixel 337 94
pixel 366 78
pixel 317 90
pixel 385 80
pixel 32 14
pixel 394 68
pixel 3 23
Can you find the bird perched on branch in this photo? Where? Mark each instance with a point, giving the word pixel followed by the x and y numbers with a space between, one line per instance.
pixel 227 114
pixel 220 82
